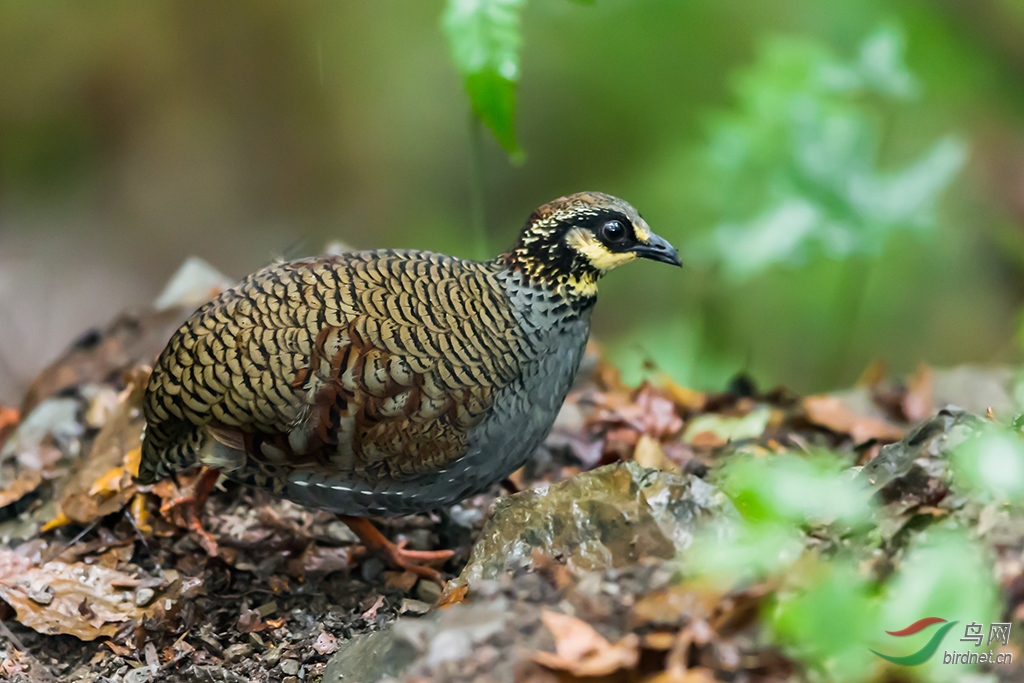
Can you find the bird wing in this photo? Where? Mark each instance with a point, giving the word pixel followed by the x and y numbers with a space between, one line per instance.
pixel 372 363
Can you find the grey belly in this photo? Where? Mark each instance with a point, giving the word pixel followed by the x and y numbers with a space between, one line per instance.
pixel 520 420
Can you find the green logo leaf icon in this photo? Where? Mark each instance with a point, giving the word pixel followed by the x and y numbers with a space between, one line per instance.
pixel 925 652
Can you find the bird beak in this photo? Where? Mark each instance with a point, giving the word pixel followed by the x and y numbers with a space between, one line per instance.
pixel 658 249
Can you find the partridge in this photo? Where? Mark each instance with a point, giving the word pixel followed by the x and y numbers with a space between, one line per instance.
pixel 385 382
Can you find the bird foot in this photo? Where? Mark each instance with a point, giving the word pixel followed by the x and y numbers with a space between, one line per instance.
pixel 415 561
pixel 395 554
pixel 186 511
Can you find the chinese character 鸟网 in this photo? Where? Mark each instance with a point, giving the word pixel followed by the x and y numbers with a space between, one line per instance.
pixel 973 633
pixel 1000 633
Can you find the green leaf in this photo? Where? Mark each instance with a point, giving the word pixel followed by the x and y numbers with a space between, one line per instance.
pixel 795 168
pixel 794 489
pixel 826 619
pixel 484 38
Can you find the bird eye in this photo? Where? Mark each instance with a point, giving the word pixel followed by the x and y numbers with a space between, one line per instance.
pixel 613 231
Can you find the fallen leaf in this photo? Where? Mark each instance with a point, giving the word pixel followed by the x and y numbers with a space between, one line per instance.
pixel 713 429
pixel 403 581
pixel 697 674
pixel 873 375
pixel 649 453
pixel 84 602
pixel 102 482
pixel 30 457
pixel 372 611
pixel 582 651
pixel 831 413
pixel 685 398
pixel 918 404
pixel 453 595
pixel 27 481
pixel 325 643
pixel 8 421
pixel 669 607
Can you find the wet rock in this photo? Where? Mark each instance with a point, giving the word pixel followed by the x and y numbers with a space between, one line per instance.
pixel 609 517
pixel 369 657
pixel 916 455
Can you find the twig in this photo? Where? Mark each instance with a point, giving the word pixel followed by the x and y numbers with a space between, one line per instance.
pixel 9 635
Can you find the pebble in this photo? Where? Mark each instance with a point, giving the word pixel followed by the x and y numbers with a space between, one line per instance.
pixel 419 539
pixel 273 657
pixel 144 596
pixel 256 640
pixel 41 597
pixel 237 652
pixel 410 606
pixel 428 591
pixel 290 667
pixel 372 568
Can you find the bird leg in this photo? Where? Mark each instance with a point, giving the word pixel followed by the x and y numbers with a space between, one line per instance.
pixel 395 554
pixel 187 510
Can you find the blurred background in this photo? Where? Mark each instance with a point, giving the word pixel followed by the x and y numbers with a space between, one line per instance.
pixel 845 181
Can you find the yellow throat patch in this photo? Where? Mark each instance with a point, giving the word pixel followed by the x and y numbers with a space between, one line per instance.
pixel 600 256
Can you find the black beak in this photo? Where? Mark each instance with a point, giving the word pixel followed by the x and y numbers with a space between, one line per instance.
pixel 657 249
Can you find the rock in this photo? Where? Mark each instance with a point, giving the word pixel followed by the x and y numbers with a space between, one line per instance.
pixel 933 439
pixel 410 606
pixel 144 596
pixel 369 657
pixel 237 652
pixel 609 517
pixel 290 667
pixel 428 591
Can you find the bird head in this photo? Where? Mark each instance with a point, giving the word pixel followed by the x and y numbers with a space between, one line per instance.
pixel 569 243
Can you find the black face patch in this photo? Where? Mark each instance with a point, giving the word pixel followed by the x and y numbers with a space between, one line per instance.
pixel 548 250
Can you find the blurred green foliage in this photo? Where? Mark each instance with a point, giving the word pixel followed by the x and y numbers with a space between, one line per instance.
pixel 803 158
pixel 794 169
pixel 805 526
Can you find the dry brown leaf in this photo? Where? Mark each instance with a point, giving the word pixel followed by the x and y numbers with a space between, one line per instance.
pixel 403 581
pixel 669 607
pixel 82 599
pixel 685 398
pixel 707 440
pixel 27 481
pixel 697 674
pixel 452 596
pixel 649 453
pixel 8 421
pixel 102 484
pixel 831 413
pixel 873 375
pixel 918 404
pixel 582 651
pixel 325 643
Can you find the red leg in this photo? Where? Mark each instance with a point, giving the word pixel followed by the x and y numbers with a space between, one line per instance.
pixel 395 554
pixel 187 511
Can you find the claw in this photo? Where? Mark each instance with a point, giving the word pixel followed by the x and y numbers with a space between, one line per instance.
pixel 187 511
pixel 395 554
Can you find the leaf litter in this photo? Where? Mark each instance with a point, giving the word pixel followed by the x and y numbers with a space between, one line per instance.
pixel 588 572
